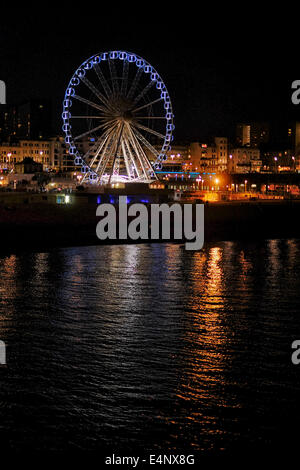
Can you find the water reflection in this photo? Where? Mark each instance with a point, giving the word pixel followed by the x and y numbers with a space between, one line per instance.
pixel 149 346
pixel 206 340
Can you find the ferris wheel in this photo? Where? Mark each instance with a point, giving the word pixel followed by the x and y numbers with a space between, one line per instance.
pixel 117 119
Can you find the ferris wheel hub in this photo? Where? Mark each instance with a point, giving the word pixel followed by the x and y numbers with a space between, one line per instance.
pixel 127 116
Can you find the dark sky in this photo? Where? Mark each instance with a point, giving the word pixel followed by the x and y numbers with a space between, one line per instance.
pixel 219 69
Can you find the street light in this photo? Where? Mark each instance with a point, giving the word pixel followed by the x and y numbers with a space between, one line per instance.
pixel 9 155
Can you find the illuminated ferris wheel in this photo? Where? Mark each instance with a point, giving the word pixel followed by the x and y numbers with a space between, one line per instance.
pixel 117 119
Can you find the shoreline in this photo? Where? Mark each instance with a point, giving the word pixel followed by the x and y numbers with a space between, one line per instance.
pixel 42 226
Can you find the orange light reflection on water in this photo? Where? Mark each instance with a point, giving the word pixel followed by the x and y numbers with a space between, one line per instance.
pixel 207 338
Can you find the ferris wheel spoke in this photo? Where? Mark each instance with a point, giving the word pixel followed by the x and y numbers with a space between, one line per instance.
pixel 113 143
pixel 106 156
pixel 131 151
pixel 140 155
pixel 125 156
pixel 146 105
pixel 102 80
pixel 149 117
pixel 151 131
pixel 124 77
pixel 94 147
pixel 117 146
pixel 103 153
pixel 96 92
pixel 136 154
pixel 88 117
pixel 90 131
pixel 127 152
pixel 143 92
pixel 135 83
pixel 90 103
pixel 147 143
pixel 113 74
pixel 140 148
pixel 100 144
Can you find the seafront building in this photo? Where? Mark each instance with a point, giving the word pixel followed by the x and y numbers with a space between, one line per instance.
pixel 53 154
pixel 26 132
pixel 217 157
pixel 209 157
pixel 244 160
pixel 39 151
pixel 204 165
pixel 252 134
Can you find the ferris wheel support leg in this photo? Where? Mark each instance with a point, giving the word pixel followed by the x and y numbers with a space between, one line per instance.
pixel 116 152
pixel 105 158
pixel 126 142
pixel 141 155
pixel 136 151
pixel 126 160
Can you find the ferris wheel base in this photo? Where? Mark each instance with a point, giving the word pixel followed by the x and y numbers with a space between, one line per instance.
pixel 123 188
pixel 116 179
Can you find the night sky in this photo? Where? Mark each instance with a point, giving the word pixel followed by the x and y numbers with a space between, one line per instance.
pixel 218 69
